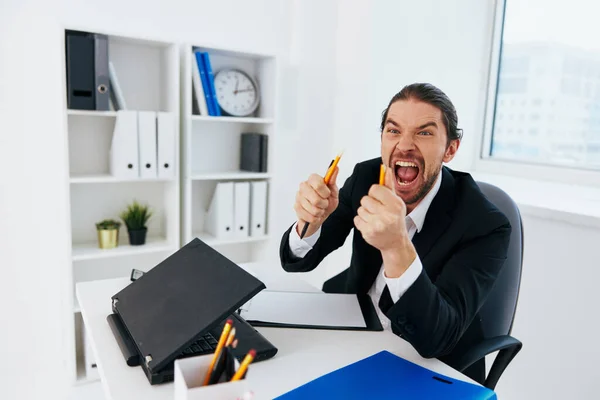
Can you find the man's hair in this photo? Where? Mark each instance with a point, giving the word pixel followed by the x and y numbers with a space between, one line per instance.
pixel 430 94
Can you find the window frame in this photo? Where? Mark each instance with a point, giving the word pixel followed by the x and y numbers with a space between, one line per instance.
pixel 521 168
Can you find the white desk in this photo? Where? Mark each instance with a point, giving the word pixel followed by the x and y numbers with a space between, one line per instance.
pixel 304 354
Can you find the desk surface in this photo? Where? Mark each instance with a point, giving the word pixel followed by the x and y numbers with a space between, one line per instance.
pixel 304 354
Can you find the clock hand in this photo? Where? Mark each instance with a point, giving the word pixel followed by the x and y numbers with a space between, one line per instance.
pixel 245 90
pixel 237 83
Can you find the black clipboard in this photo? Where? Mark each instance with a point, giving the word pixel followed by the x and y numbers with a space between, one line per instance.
pixel 367 308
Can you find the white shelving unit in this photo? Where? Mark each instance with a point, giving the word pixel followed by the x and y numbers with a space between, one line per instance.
pixel 211 148
pixel 148 73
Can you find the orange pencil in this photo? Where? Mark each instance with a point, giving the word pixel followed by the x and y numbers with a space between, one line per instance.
pixel 327 178
pixel 244 366
pixel 331 168
pixel 382 174
pixel 220 345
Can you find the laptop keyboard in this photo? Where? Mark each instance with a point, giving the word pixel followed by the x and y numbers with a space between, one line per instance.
pixel 205 345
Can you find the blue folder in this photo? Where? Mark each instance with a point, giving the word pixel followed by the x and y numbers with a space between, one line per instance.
pixel 205 84
pixel 387 376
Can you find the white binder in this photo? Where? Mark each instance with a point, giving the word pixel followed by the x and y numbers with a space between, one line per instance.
pixel 241 208
pixel 258 208
pixel 123 157
pixel 147 143
pixel 165 125
pixel 219 217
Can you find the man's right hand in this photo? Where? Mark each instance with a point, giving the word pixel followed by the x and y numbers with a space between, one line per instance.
pixel 315 201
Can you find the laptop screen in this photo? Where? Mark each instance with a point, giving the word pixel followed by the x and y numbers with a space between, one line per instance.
pixel 181 298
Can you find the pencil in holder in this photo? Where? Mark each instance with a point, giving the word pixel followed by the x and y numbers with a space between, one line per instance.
pixel 189 377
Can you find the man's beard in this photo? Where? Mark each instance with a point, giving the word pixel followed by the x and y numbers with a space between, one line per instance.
pixel 429 182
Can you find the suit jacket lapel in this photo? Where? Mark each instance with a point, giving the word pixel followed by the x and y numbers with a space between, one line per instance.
pixel 438 216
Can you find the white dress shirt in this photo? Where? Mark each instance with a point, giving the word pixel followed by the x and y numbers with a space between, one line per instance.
pixel 397 286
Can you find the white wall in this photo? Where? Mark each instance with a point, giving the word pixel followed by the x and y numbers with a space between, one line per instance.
pixel 34 237
pixel 557 315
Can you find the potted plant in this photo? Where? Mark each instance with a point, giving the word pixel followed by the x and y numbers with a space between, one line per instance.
pixel 108 233
pixel 136 217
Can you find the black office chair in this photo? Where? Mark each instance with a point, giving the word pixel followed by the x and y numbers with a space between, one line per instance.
pixel 498 311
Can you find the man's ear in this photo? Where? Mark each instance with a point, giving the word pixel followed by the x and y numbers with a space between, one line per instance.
pixel 451 150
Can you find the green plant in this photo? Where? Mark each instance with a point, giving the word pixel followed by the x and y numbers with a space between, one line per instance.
pixel 108 224
pixel 136 216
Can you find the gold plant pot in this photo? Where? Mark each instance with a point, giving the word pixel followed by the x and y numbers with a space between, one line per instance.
pixel 108 238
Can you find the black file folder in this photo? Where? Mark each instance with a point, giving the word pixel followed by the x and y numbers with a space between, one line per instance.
pixel 371 319
pixel 254 152
pixel 88 85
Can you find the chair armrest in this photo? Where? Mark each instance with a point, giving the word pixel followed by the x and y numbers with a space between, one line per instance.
pixel 508 348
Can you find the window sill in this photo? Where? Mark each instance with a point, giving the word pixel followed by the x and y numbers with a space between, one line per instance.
pixel 574 204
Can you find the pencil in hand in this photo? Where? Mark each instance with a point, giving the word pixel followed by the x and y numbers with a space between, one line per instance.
pixel 327 178
pixel 244 366
pixel 220 345
pixel 382 174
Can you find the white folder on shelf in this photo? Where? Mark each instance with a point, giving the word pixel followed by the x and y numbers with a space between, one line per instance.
pixel 123 157
pixel 258 208
pixel 219 217
pixel 241 208
pixel 115 89
pixel 165 131
pixel 147 143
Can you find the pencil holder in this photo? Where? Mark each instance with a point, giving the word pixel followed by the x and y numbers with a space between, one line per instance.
pixel 189 376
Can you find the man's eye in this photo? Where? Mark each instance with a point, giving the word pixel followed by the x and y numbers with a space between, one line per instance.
pixel 394 131
pixel 425 133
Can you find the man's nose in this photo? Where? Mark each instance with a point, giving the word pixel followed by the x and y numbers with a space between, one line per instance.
pixel 405 142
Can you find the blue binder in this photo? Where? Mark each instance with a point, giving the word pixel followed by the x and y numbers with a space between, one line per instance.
pixel 210 78
pixel 204 80
pixel 387 376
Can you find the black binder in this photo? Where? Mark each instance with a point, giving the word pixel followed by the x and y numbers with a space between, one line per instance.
pixel 254 152
pixel 88 86
pixel 189 294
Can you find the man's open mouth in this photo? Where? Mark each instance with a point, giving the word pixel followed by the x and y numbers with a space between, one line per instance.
pixel 406 172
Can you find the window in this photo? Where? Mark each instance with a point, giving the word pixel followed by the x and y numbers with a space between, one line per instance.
pixel 546 64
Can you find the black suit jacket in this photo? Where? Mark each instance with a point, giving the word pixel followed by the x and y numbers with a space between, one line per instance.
pixel 462 246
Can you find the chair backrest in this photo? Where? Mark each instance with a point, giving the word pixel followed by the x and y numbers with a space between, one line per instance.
pixel 498 311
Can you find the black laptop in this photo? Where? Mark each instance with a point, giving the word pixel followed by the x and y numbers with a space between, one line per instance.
pixel 179 307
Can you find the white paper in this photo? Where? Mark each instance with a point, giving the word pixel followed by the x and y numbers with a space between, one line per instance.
pixel 302 308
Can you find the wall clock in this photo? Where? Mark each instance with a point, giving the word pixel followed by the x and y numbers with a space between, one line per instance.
pixel 237 93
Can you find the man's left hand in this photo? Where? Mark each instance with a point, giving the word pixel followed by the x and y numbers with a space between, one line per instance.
pixel 381 221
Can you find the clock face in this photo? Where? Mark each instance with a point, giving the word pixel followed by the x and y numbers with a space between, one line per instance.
pixel 237 94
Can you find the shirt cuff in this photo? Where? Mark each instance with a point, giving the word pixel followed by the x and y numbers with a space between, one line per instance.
pixel 300 247
pixel 399 286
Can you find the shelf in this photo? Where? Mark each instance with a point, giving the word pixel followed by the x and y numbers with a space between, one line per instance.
pixel 92 113
pixel 237 175
pixel 213 241
pixel 81 377
pixel 105 178
pixel 90 251
pixel 238 120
